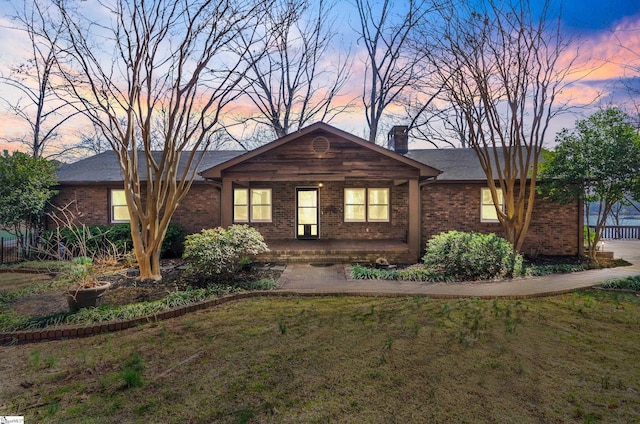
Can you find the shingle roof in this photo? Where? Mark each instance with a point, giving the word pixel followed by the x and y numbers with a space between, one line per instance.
pixel 455 164
pixel 104 167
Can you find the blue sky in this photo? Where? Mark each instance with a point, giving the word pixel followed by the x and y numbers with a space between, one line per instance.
pixel 608 32
pixel 589 16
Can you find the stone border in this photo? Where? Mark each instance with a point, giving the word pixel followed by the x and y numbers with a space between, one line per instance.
pixel 68 332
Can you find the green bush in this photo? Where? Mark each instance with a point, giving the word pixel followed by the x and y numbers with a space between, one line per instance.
pixel 463 256
pixel 414 273
pixel 101 239
pixel 627 283
pixel 216 253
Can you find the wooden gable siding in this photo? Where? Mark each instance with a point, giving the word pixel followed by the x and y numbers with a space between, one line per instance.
pixel 298 160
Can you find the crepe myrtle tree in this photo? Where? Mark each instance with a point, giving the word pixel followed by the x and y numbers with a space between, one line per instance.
pixel 155 73
pixel 598 162
pixel 500 67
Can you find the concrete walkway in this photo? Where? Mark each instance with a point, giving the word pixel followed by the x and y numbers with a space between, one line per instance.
pixel 305 278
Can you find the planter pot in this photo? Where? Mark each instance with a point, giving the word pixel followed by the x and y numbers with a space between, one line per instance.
pixel 89 297
pixel 604 255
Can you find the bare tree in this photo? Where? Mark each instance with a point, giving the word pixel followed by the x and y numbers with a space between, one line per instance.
pixel 502 70
pixel 295 78
pixel 37 104
pixel 156 68
pixel 392 67
pixel 436 121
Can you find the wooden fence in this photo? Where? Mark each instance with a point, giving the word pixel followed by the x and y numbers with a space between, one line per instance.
pixel 619 232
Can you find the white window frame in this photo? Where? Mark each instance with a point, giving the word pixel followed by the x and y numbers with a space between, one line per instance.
pixel 367 205
pixel 113 205
pixel 250 205
pixel 484 205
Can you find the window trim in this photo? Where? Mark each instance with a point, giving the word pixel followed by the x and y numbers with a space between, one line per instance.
pixel 367 205
pixel 483 205
pixel 249 205
pixel 112 205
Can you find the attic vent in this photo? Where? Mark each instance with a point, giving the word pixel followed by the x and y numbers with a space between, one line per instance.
pixel 320 145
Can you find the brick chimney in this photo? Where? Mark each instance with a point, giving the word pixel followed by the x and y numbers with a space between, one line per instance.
pixel 398 139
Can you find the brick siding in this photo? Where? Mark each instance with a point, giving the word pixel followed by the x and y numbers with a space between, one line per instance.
pixel 554 228
pixel 331 203
pixel 199 209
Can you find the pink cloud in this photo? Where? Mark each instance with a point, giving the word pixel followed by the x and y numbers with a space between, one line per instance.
pixel 604 57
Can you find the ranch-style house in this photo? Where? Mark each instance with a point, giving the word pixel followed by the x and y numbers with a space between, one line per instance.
pixel 324 193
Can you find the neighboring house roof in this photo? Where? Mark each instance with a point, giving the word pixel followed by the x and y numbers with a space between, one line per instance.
pixel 104 167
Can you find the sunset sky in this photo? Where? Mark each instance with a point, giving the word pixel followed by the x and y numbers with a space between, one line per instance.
pixel 607 33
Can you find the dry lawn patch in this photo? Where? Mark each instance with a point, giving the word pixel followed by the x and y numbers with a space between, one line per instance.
pixel 571 358
pixel 10 281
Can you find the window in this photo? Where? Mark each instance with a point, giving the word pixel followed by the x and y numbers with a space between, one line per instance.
pixel 261 205
pixel 252 205
pixel 118 204
pixel 366 205
pixel 241 205
pixel 355 204
pixel 378 210
pixel 488 211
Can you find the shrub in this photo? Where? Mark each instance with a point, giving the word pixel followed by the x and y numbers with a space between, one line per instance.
pixel 103 240
pixel 413 273
pixel 627 283
pixel 216 253
pixel 463 256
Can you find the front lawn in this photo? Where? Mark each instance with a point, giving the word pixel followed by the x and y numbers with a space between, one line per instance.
pixel 570 358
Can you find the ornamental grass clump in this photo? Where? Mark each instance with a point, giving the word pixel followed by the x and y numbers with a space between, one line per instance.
pixel 464 256
pixel 216 253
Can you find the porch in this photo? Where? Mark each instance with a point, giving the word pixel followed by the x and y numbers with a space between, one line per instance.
pixel 337 251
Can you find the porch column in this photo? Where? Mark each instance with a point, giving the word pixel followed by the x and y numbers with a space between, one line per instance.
pixel 413 237
pixel 226 203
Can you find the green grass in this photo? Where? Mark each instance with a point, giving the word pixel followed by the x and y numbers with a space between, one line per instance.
pixel 570 358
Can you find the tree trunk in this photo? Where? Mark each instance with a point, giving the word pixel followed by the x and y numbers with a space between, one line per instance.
pixel 148 254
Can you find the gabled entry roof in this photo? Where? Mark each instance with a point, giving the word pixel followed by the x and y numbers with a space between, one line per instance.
pixel 323 129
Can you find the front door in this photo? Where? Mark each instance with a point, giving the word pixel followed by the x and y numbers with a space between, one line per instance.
pixel 307 215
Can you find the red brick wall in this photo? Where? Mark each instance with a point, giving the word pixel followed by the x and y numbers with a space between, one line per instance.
pixel 88 203
pixel 554 227
pixel 331 202
pixel 199 209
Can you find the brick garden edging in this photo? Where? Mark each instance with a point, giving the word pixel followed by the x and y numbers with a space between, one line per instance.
pixel 67 332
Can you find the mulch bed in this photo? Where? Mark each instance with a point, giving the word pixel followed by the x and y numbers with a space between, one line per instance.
pixel 125 289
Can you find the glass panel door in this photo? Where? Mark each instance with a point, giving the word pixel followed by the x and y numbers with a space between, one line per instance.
pixel 307 216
